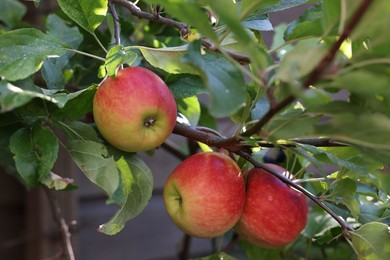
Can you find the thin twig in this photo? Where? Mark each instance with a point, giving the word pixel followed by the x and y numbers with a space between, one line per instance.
pixel 182 27
pixel 317 72
pixel 64 228
pixel 117 34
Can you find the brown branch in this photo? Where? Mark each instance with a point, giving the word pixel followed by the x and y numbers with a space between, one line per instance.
pixel 63 226
pixel 182 27
pixel 317 72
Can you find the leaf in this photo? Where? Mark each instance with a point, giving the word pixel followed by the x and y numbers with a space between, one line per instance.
pixel 318 224
pixel 52 69
pixel 135 191
pixel 187 87
pixel 363 81
pixel 116 56
pixel 307 25
pixel 89 14
pixel 78 130
pixel 12 97
pixel 24 50
pixel 168 59
pixel 78 105
pixel 280 5
pixel 254 252
pixel 94 160
pixel 372 241
pixel 225 82
pixel 250 6
pixel 35 152
pixel 190 108
pixel 188 12
pixel 11 12
pixel 258 23
pixel 53 181
pixel 300 61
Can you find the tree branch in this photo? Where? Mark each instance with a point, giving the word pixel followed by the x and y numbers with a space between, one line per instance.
pixel 63 226
pixel 317 72
pixel 182 27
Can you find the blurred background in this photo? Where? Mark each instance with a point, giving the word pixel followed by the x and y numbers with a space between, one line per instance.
pixel 27 227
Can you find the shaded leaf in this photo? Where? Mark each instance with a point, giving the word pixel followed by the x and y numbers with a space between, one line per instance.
pixel 52 69
pixel 168 59
pixel 12 97
pixel 23 51
pixel 35 152
pixel 11 12
pixel 187 87
pixel 135 191
pixel 225 82
pixel 372 241
pixel 94 160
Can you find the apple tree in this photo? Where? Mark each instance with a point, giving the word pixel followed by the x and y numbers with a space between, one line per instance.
pixel 315 101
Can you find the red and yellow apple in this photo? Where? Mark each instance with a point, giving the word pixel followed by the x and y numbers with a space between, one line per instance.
pixel 134 111
pixel 274 213
pixel 205 194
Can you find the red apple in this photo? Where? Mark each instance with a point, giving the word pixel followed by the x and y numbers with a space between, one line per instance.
pixel 135 111
pixel 205 194
pixel 274 214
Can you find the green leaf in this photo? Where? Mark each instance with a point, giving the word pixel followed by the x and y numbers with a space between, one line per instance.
pixel 99 167
pixel 343 187
pixel 366 131
pixel 307 25
pixel 168 59
pixel 372 241
pixel 78 130
pixel 254 252
pixel 11 12
pixel 279 5
pixel 53 181
pixel 190 108
pixel 318 224
pixel 23 51
pixel 89 14
pixel 52 69
pixel 188 12
pixel 116 56
pixel 12 97
pixel 225 82
pixel 187 87
pixel 300 61
pixel 134 192
pixel 363 82
pixel 258 23
pixel 35 152
pixel 250 6
pixel 78 105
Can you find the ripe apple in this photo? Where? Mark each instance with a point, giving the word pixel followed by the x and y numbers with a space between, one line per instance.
pixel 205 194
pixel 135 111
pixel 274 213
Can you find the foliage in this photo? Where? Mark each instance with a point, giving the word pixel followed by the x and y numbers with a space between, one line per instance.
pixel 285 96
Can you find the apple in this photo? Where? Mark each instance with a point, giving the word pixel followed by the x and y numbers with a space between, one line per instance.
pixel 205 194
pixel 134 111
pixel 274 213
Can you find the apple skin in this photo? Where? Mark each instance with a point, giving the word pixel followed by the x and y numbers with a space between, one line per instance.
pixel 274 213
pixel 135 111
pixel 205 194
